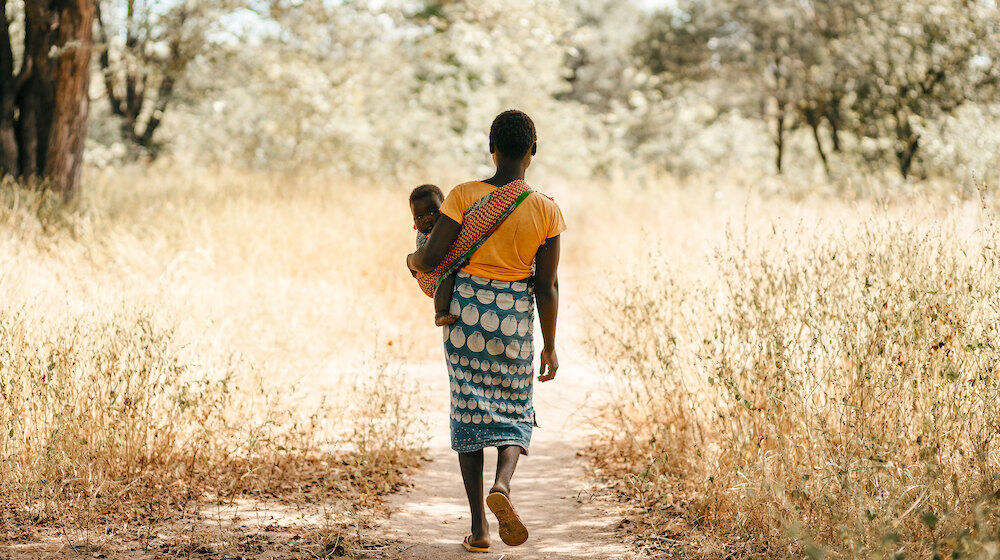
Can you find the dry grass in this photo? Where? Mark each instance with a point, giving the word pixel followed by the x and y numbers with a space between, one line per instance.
pixel 189 339
pixel 204 362
pixel 818 379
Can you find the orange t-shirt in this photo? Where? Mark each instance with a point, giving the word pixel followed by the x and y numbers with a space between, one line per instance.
pixel 510 251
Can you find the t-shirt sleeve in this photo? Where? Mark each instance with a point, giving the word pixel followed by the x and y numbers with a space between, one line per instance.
pixel 556 223
pixel 453 205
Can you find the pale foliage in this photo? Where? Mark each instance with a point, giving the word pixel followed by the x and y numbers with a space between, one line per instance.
pixel 365 91
pixel 387 88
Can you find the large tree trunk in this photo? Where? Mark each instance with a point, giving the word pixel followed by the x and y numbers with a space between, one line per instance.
pixel 8 94
pixel 47 104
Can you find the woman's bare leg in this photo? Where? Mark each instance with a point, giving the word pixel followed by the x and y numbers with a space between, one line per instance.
pixel 512 529
pixel 507 457
pixel 472 475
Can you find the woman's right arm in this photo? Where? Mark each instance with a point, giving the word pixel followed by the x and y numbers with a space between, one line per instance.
pixel 547 300
pixel 426 258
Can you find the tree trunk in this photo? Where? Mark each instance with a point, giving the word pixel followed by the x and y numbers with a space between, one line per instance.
pixel 832 115
pixel 779 137
pixel 907 143
pixel 906 153
pixel 812 117
pixel 50 94
pixel 8 94
pixel 132 89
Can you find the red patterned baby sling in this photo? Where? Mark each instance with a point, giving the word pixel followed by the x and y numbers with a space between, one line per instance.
pixel 479 222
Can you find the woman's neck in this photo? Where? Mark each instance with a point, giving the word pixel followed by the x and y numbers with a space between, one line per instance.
pixel 505 174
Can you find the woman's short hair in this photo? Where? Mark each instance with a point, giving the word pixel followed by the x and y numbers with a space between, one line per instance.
pixel 512 133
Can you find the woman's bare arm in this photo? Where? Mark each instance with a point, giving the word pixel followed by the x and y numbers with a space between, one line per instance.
pixel 547 299
pixel 426 258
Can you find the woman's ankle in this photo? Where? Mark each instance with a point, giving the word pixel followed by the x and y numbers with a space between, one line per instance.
pixel 480 530
pixel 500 487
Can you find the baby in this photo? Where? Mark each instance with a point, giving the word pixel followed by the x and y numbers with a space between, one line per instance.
pixel 425 204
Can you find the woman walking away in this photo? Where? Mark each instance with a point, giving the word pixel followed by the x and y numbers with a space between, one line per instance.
pixel 492 232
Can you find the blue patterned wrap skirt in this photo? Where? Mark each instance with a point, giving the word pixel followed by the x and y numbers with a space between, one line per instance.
pixel 489 352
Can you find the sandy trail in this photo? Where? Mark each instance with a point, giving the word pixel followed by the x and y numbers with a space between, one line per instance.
pixel 550 488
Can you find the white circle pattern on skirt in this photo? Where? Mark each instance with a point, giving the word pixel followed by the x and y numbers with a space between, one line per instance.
pixel 489 353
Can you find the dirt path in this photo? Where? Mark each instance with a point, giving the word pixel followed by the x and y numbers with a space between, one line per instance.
pixel 550 488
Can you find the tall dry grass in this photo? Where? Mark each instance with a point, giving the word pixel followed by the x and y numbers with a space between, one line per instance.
pixel 796 372
pixel 186 337
pixel 820 379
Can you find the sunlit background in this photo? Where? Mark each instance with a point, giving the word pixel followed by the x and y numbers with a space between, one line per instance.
pixel 779 282
pixel 393 88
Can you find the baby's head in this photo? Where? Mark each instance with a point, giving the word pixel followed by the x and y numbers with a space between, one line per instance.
pixel 425 203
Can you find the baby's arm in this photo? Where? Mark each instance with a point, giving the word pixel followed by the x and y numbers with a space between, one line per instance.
pixel 421 241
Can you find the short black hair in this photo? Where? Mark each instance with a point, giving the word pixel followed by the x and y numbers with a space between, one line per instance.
pixel 425 190
pixel 512 133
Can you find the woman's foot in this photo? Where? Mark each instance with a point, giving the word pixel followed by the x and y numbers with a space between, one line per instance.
pixel 442 318
pixel 512 529
pixel 472 545
pixel 480 537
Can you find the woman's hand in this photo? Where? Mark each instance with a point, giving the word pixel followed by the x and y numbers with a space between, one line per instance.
pixel 548 366
pixel 409 266
pixel 426 258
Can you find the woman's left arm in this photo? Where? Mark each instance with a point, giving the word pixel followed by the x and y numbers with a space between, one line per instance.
pixel 428 257
pixel 547 298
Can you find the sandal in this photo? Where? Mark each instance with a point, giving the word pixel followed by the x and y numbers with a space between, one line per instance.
pixel 512 530
pixel 472 548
